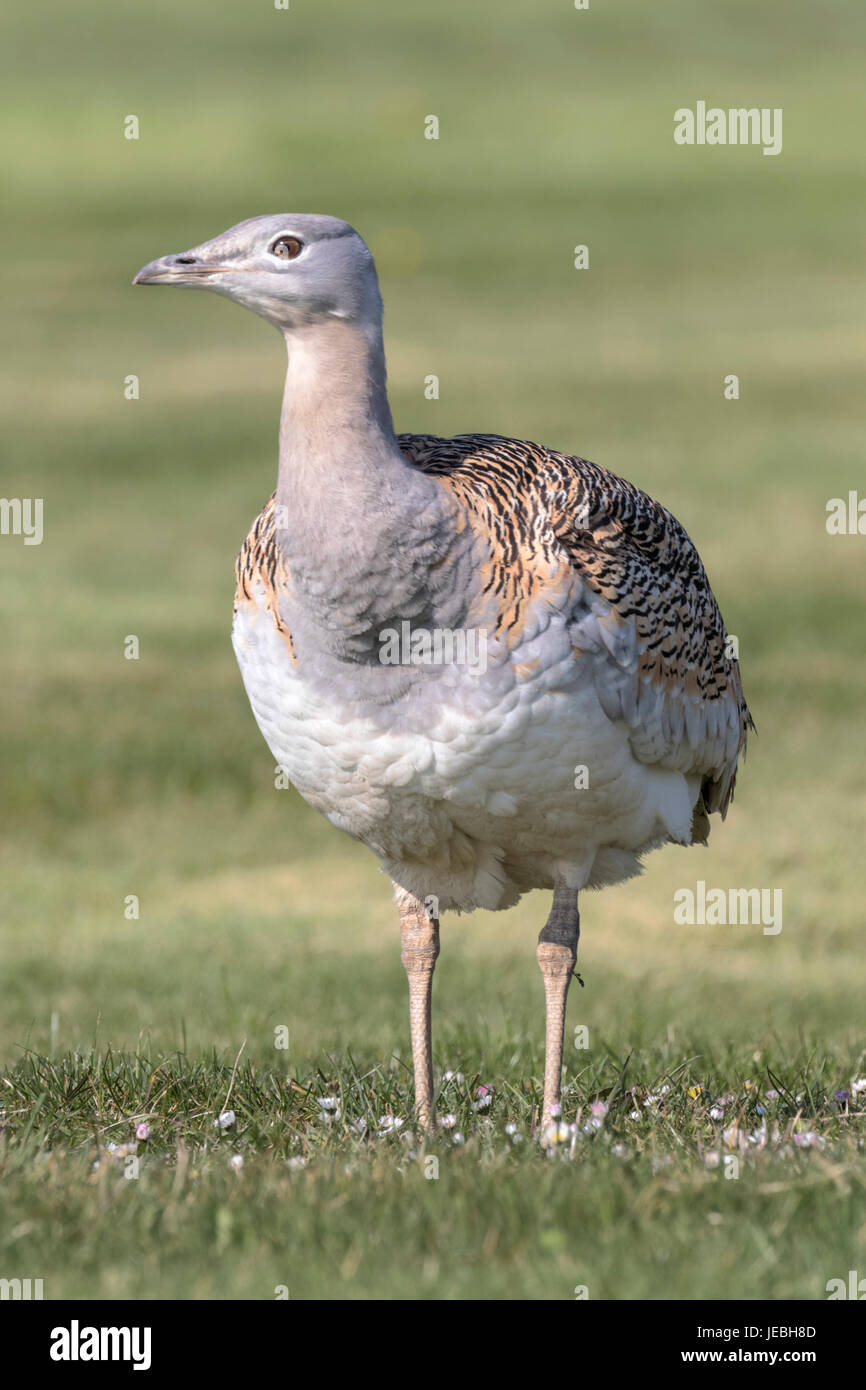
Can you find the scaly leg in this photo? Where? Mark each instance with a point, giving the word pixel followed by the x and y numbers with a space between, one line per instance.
pixel 419 932
pixel 557 956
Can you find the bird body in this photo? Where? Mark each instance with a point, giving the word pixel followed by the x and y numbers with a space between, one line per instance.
pixel 498 666
pixel 462 778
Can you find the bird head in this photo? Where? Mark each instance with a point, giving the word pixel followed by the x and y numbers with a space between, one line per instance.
pixel 292 270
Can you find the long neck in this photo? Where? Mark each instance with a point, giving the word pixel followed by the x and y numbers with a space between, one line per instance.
pixel 360 523
pixel 335 409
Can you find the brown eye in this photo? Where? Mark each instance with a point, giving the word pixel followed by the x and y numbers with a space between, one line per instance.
pixel 286 248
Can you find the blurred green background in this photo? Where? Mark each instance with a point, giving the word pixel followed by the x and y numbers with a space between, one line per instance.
pixel 150 777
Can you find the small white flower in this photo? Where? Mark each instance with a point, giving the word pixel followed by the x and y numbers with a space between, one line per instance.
pixel 237 1161
pixel 716 1112
pixel 389 1124
pixel 457 1137
pixel 329 1106
pixel 225 1121
pixel 858 1086
pixel 555 1133
pixel 448 1121
pixel 635 1115
pixel 122 1150
pixel 809 1140
pixel 296 1164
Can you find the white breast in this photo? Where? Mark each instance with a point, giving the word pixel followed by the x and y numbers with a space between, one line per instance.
pixel 465 784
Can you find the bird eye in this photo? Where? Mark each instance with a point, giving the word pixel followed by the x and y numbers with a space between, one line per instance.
pixel 286 248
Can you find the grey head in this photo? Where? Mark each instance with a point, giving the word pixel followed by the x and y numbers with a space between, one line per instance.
pixel 291 269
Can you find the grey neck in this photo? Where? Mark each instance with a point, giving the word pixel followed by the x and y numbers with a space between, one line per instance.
pixel 362 528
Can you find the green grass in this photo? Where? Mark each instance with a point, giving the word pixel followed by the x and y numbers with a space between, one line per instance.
pixel 338 1200
pixel 150 778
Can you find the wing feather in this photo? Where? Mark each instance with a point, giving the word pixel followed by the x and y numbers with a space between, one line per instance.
pixel 645 615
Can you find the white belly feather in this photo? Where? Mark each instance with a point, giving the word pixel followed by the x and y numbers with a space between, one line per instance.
pixel 465 787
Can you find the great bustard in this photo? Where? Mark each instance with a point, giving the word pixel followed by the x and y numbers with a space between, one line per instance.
pixel 434 634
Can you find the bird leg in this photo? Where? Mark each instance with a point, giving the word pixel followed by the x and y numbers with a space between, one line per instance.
pixel 419 930
pixel 557 956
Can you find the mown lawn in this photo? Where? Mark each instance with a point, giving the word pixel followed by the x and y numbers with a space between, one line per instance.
pixel 149 778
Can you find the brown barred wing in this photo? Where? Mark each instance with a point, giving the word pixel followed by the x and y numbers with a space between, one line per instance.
pixel 645 616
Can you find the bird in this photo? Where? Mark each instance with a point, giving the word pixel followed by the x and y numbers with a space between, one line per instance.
pixel 499 666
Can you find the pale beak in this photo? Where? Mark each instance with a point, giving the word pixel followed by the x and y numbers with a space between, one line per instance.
pixel 183 269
